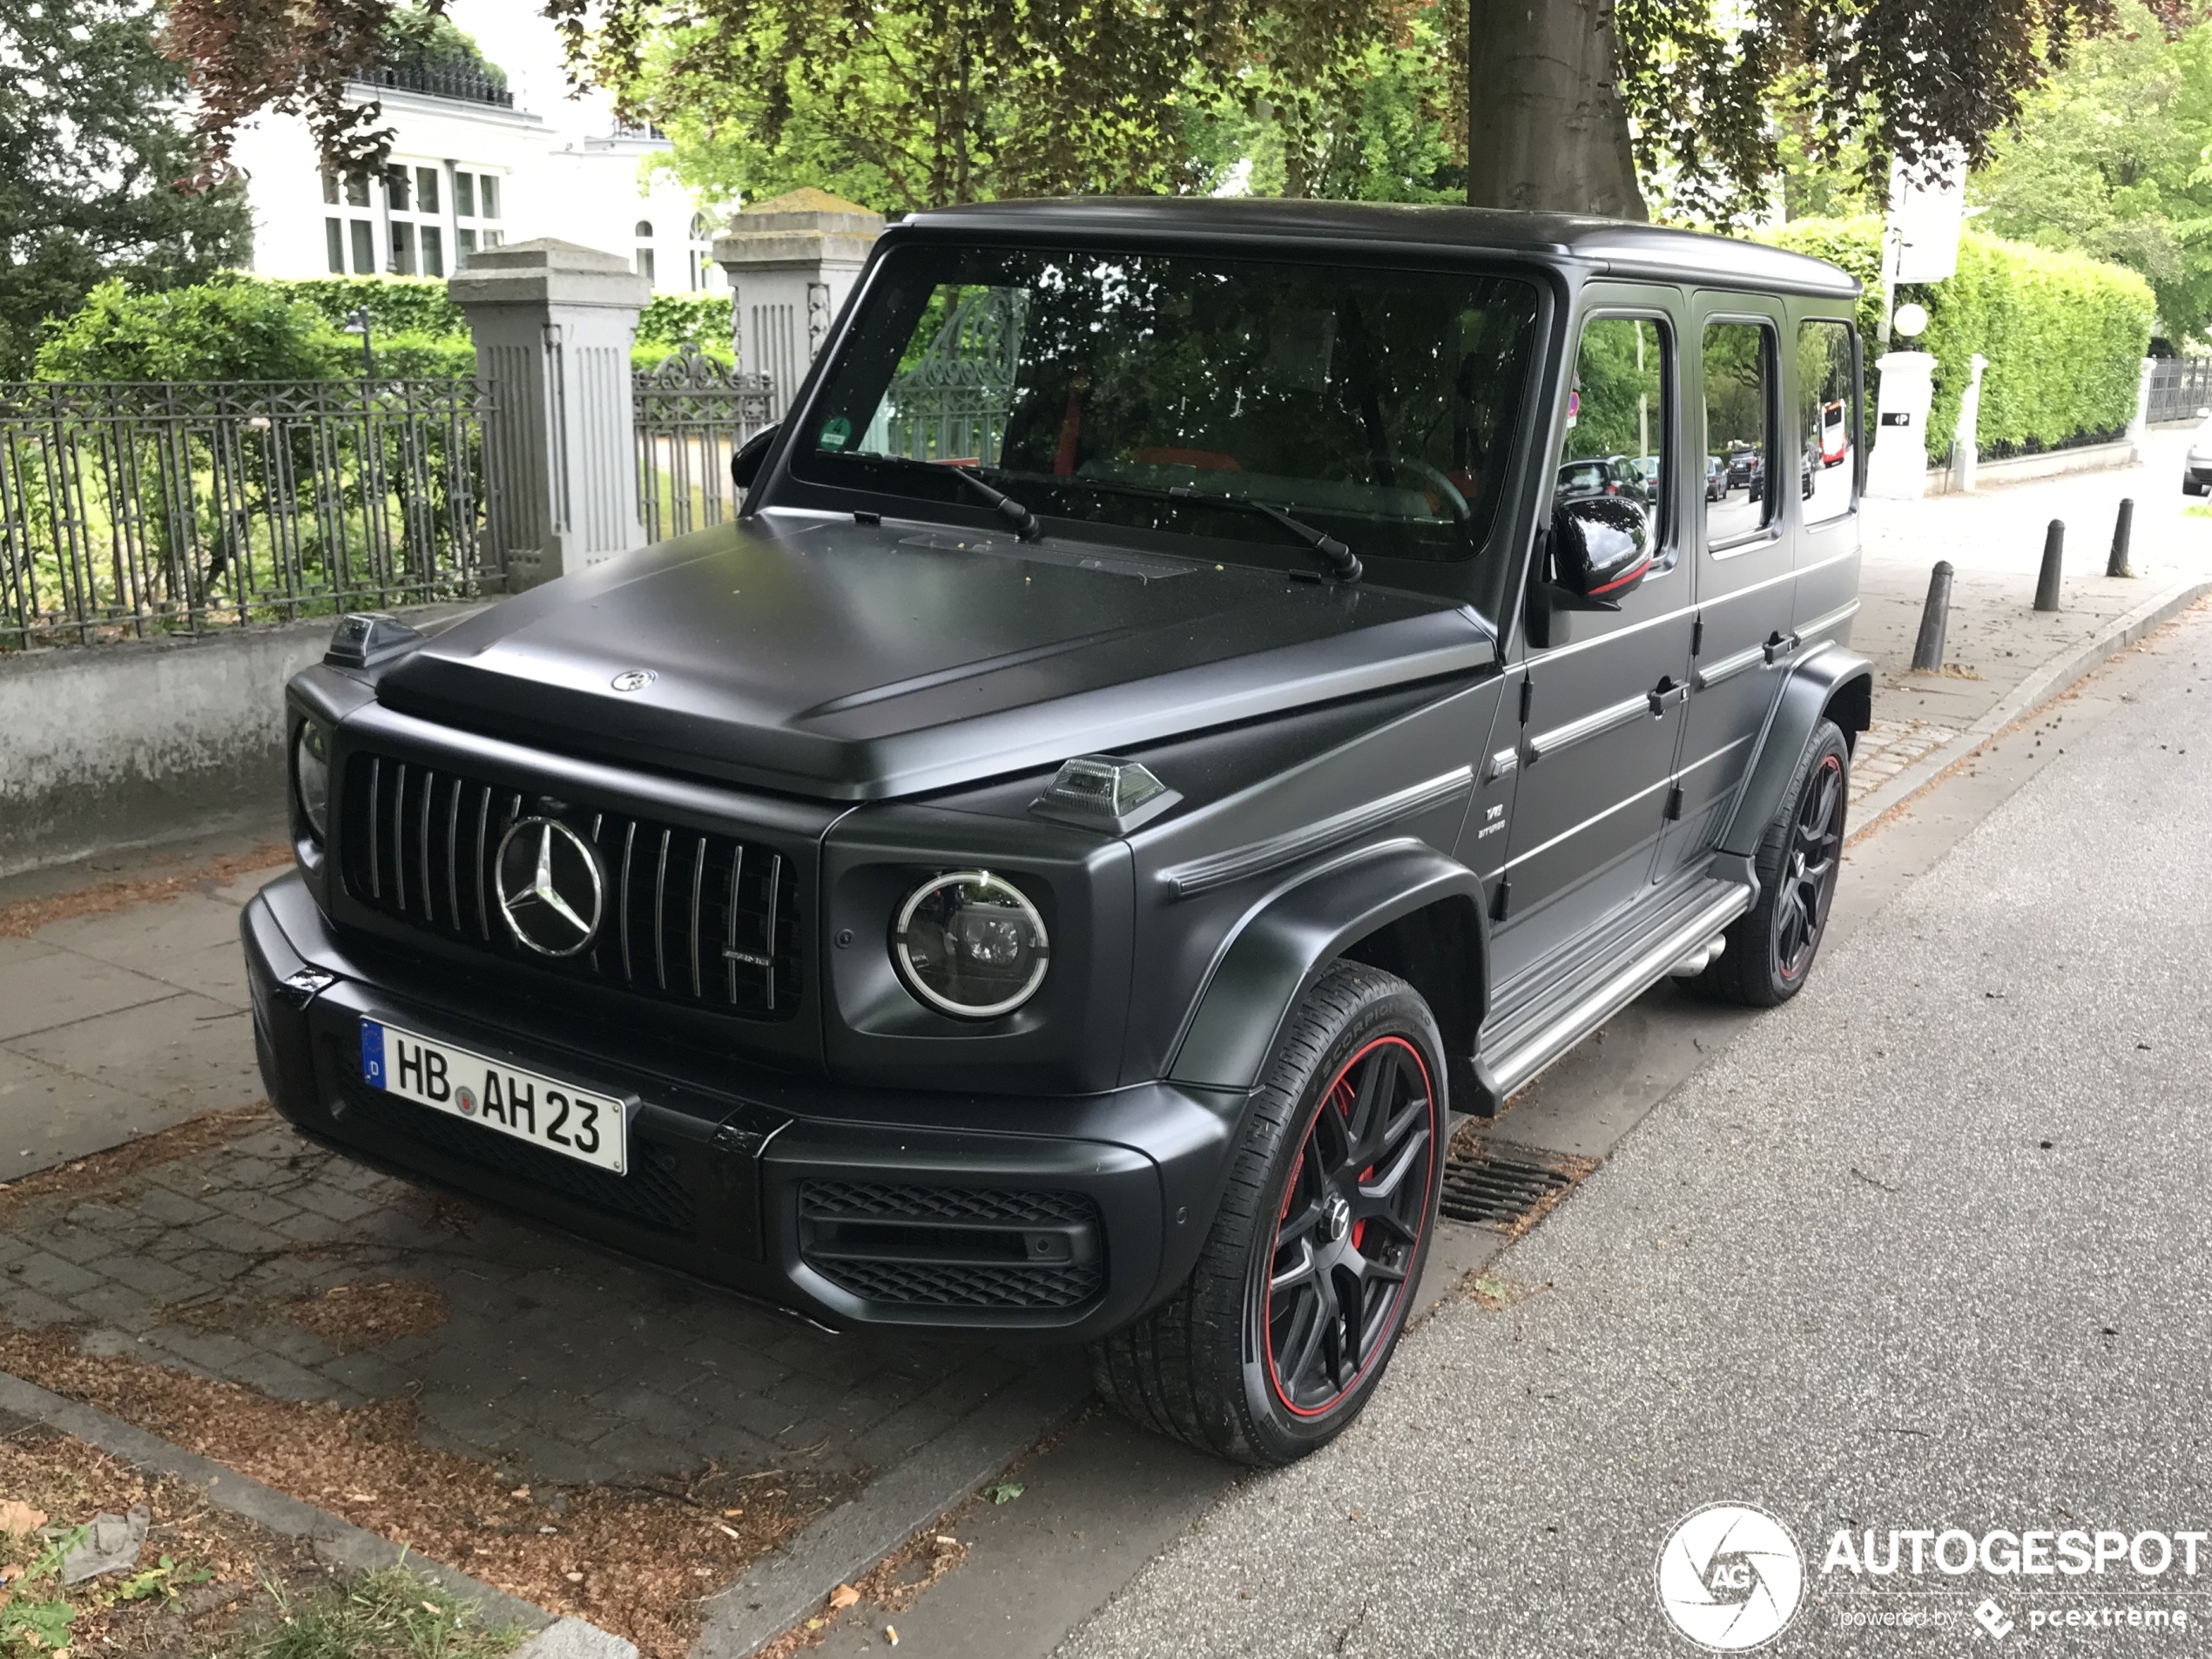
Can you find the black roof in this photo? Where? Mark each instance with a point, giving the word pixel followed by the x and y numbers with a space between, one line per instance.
pixel 1615 246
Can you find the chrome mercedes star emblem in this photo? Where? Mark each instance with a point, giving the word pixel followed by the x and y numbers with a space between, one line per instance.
pixel 549 888
pixel 633 680
pixel 1336 1216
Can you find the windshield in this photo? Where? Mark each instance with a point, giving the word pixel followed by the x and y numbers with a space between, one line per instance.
pixel 1377 405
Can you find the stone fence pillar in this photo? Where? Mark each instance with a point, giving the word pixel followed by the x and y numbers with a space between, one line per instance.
pixel 792 261
pixel 553 324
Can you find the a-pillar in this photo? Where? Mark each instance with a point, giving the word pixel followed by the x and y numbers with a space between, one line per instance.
pixel 553 324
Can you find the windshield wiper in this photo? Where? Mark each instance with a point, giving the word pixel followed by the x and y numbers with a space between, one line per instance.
pixel 1023 520
pixel 1343 563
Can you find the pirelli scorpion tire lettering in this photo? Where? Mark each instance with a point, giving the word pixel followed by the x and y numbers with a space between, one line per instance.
pixel 1771 946
pixel 1286 1326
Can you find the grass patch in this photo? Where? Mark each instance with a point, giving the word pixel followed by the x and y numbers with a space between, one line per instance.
pixel 396 1613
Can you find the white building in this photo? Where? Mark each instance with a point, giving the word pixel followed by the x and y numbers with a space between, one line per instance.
pixel 473 165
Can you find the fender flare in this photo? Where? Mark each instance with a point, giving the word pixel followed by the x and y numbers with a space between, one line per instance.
pixel 1807 692
pixel 1290 938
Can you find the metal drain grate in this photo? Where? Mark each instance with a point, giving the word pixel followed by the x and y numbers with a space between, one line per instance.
pixel 1502 1191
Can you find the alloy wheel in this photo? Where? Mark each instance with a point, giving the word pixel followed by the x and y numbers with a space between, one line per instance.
pixel 1350 1227
pixel 1809 875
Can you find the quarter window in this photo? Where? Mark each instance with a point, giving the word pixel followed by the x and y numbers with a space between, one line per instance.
pixel 1616 419
pixel 1739 418
pixel 1829 420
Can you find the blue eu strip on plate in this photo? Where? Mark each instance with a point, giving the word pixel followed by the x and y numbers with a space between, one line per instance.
pixel 372 1054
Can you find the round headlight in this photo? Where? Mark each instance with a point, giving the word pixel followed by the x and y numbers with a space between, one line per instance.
pixel 970 944
pixel 311 766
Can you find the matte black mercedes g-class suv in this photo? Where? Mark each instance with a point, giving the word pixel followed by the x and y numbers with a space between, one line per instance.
pixel 1157 741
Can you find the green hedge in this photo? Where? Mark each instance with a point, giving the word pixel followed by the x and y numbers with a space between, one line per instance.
pixel 244 328
pixel 2065 335
pixel 701 319
pixel 248 328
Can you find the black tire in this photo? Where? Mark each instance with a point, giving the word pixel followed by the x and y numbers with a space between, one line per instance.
pixel 1206 1367
pixel 1771 946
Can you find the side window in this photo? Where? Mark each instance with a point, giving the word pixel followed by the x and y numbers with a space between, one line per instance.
pixel 1739 417
pixel 1828 420
pixel 1617 418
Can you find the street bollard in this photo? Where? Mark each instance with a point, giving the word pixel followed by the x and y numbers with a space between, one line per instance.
pixel 2047 585
pixel 2123 530
pixel 1935 618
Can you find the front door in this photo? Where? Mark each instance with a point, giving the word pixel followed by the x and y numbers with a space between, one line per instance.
pixel 1601 710
pixel 1743 571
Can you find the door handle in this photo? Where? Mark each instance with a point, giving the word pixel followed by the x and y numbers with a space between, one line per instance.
pixel 1780 645
pixel 1665 692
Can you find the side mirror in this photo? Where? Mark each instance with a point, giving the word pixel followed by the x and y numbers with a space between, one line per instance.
pixel 1601 549
pixel 745 466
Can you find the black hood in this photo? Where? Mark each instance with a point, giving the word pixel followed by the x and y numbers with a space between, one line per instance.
pixel 852 662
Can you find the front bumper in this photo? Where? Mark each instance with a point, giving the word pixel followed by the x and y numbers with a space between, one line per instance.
pixel 857 1206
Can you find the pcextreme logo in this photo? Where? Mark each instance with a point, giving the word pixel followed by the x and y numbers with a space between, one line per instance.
pixel 1731 1577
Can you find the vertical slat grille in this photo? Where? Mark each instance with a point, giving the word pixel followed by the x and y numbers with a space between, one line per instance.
pixel 697 919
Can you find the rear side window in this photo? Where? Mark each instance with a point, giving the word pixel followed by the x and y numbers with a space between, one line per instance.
pixel 1616 418
pixel 1739 417
pixel 1829 422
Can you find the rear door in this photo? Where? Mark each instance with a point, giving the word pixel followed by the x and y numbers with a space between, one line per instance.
pixel 1743 564
pixel 1601 711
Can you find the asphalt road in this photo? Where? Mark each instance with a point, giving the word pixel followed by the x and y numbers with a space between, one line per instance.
pixel 1922 1251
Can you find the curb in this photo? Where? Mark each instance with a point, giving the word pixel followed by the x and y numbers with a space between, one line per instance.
pixel 777 1593
pixel 334 1541
pixel 2031 694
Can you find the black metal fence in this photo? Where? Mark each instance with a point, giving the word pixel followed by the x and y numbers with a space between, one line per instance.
pixel 2181 387
pixel 131 510
pixel 692 415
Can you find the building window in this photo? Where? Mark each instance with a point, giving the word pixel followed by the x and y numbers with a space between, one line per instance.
pixel 464 244
pixel 334 236
pixel 364 248
pixel 395 189
pixel 646 263
pixel 487 195
pixel 356 189
pixel 645 231
pixel 702 262
pixel 464 195
pixel 426 189
pixel 493 239
pixel 330 188
pixel 402 248
pixel 433 251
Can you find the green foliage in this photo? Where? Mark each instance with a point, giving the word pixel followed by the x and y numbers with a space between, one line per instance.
pixel 415 38
pixel 254 328
pixel 2111 160
pixel 221 331
pixel 396 304
pixel 2064 333
pixel 1618 380
pixel 701 319
pixel 92 142
pixel 396 1613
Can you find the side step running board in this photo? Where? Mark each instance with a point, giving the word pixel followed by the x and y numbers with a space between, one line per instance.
pixel 1517 1065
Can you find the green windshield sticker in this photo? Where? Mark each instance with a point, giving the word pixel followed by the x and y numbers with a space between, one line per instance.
pixel 834 433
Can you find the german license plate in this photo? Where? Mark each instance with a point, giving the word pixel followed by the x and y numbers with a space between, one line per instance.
pixel 579 1123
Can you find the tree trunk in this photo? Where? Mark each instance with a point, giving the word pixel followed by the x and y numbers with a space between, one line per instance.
pixel 1545 127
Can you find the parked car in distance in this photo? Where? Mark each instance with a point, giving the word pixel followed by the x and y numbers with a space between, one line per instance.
pixel 1746 471
pixel 1716 478
pixel 2196 471
pixel 1061 877
pixel 1593 479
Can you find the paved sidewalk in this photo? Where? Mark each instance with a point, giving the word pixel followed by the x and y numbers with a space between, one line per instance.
pixel 1997 639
